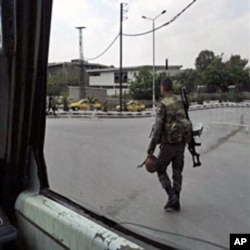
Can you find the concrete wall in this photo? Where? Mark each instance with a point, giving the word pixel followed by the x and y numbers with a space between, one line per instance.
pixel 75 93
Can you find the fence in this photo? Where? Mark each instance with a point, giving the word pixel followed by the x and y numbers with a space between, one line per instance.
pixel 235 116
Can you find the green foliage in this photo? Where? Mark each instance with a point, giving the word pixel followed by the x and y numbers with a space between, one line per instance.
pixel 188 78
pixel 56 84
pixel 204 59
pixel 235 95
pixel 200 99
pixel 141 87
pixel 213 76
pixel 216 74
pixel 105 107
pixel 124 106
pixel 91 99
pixel 65 102
pixel 177 88
pixel 237 73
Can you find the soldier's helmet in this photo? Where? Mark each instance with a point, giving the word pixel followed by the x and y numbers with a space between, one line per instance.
pixel 150 166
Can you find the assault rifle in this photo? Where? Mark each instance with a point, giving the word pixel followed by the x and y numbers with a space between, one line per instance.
pixel 195 131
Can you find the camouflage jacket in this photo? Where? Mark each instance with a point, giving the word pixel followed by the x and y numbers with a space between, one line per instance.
pixel 166 112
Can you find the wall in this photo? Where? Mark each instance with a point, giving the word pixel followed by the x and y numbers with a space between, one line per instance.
pixel 75 93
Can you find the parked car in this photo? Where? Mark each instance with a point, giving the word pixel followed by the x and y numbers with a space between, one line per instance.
pixel 85 104
pixel 132 106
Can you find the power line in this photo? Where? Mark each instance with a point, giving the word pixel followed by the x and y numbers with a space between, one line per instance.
pixel 93 58
pixel 143 33
pixel 165 24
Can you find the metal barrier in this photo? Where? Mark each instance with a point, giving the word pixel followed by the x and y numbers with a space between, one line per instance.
pixel 233 115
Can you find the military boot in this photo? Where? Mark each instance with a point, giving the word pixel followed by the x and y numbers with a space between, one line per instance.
pixel 172 199
pixel 177 206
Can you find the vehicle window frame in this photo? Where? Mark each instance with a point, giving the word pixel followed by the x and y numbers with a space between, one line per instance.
pixel 1 30
pixel 8 20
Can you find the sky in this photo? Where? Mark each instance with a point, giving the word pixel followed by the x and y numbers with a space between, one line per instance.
pixel 222 26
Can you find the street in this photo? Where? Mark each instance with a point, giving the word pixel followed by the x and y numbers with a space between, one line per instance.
pixel 94 162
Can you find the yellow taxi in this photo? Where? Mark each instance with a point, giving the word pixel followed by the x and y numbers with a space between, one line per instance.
pixel 85 104
pixel 132 106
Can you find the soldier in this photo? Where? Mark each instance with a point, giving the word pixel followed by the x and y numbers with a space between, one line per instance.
pixel 172 131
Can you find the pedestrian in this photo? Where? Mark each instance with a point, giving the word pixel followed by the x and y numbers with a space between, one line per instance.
pixel 51 105
pixel 172 131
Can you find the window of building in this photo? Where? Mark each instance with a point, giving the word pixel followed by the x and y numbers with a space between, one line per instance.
pixel 94 73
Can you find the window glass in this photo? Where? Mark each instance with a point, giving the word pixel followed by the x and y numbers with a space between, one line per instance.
pixel 92 150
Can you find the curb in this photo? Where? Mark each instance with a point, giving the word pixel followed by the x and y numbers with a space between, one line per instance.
pixel 100 114
pixel 219 105
pixel 142 114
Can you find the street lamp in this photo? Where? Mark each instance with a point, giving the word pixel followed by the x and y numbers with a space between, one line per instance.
pixel 153 22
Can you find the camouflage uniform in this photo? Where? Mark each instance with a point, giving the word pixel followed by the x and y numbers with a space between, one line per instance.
pixel 171 151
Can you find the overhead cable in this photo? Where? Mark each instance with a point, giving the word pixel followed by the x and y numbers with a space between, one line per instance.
pixel 165 24
pixel 144 33
pixel 89 59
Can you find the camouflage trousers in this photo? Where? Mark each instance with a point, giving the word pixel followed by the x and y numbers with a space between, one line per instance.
pixel 171 153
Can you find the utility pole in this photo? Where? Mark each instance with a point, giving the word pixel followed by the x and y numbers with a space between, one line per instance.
pixel 81 69
pixel 120 71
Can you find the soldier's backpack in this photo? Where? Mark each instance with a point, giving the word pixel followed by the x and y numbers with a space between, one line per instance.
pixel 177 128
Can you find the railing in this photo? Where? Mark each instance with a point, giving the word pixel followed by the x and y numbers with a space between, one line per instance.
pixel 233 114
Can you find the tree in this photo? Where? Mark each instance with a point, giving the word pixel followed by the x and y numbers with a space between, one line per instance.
pixel 237 72
pixel 218 75
pixel 56 84
pixel 141 87
pixel 221 74
pixel 214 75
pixel 188 78
pixel 203 60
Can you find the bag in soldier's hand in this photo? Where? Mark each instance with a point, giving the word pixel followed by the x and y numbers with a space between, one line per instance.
pixel 150 164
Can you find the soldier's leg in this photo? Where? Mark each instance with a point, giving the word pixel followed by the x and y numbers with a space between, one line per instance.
pixel 178 164
pixel 165 157
pixel 163 160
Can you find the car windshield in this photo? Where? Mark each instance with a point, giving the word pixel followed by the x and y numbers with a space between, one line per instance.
pixel 93 157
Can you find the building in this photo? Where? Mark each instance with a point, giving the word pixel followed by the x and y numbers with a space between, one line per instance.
pixel 70 74
pixel 71 70
pixel 102 80
pixel 108 78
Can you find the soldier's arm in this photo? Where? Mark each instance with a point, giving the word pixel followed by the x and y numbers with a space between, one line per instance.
pixel 157 131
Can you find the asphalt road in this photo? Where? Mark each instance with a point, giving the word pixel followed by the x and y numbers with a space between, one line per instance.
pixel 93 162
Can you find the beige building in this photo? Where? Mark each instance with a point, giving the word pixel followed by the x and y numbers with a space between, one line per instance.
pixel 109 78
pixel 102 80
